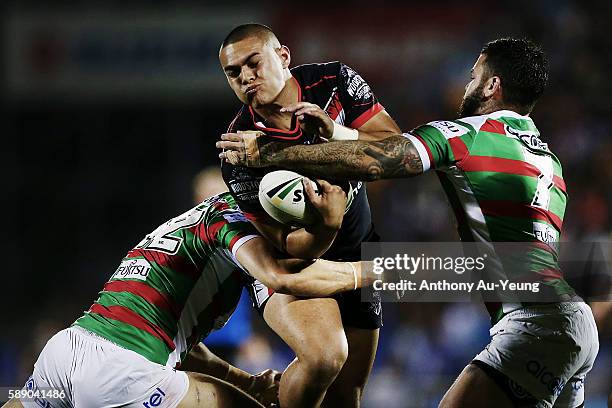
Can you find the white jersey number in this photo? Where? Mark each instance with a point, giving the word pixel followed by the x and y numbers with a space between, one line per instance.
pixel 544 164
pixel 162 240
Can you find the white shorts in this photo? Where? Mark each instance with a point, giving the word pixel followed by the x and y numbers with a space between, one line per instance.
pixel 86 370
pixel 546 351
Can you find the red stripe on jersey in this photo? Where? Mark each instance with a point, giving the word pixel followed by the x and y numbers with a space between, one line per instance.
pixel 335 107
pixel 460 150
pixel 505 208
pixel 493 126
pixel 320 81
pixel 365 116
pixel 199 230
pixel 214 229
pixel 234 240
pixel 175 262
pixel 499 165
pixel 127 316
pixel 550 274
pixel 432 164
pixel 502 165
pixel 560 183
pixel 146 292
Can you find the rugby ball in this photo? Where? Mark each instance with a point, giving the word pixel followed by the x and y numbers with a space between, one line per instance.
pixel 281 194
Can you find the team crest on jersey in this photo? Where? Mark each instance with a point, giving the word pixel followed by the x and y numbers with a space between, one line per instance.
pixel 449 129
pixel 235 217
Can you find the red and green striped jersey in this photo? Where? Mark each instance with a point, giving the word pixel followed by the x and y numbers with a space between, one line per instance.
pixel 504 184
pixel 177 285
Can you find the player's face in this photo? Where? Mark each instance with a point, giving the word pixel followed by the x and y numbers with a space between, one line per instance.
pixel 473 97
pixel 255 70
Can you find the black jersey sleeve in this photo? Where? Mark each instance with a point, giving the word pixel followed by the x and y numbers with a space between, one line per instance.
pixel 357 99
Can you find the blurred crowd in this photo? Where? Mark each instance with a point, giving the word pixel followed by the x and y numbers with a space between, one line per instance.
pixel 86 178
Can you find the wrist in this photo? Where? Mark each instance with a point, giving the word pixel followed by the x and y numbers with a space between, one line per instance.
pixel 239 378
pixel 344 133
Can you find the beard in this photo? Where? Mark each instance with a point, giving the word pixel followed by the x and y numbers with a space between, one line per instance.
pixel 471 103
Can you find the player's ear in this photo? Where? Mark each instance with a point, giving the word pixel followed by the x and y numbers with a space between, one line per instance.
pixel 492 87
pixel 285 55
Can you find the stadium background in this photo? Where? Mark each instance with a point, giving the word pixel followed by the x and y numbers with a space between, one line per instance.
pixel 112 108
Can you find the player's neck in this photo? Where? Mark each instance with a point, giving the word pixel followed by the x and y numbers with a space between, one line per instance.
pixel 271 112
pixel 494 107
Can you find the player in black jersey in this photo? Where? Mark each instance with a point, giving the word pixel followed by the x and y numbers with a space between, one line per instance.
pixel 334 339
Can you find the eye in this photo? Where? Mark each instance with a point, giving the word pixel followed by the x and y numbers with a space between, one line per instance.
pixel 253 63
pixel 232 73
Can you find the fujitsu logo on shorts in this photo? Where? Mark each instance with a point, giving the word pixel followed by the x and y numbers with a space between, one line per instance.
pixel 540 371
pixel 155 399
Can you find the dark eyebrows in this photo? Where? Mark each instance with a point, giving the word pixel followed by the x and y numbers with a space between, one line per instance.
pixel 233 67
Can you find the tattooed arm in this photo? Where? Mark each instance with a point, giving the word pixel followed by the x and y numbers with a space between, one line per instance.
pixel 393 157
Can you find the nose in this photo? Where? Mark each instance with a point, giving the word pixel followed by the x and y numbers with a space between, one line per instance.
pixel 246 74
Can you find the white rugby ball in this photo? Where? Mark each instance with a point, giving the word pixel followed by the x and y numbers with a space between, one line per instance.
pixel 281 194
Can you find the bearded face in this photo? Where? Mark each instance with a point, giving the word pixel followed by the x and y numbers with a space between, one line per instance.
pixel 472 102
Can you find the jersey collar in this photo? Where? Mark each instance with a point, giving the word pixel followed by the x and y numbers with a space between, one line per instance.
pixel 293 134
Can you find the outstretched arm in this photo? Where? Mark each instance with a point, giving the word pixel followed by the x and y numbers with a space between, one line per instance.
pixel 393 157
pixel 297 277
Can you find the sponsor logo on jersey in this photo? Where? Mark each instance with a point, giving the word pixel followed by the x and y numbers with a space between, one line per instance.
pixel 133 269
pixel 449 129
pixel 577 383
pixel 155 399
pixel 235 217
pixel 516 389
pixel 546 234
pixel 357 88
pixel 239 187
pixel 545 377
pixel 31 386
pixel 530 139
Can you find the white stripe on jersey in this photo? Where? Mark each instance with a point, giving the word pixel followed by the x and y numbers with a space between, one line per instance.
pixel 237 246
pixel 421 150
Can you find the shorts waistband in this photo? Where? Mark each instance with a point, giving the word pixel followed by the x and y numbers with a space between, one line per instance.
pixel 93 336
pixel 535 310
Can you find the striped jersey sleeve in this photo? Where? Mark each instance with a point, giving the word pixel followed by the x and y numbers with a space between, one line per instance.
pixel 229 229
pixel 443 143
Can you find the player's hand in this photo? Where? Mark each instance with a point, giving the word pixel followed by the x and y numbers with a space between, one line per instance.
pixel 241 149
pixel 265 387
pixel 330 202
pixel 312 119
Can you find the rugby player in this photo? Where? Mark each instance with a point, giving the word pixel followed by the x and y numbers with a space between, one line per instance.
pixel 257 70
pixel 178 284
pixel 505 185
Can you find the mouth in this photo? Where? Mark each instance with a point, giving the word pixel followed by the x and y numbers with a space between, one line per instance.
pixel 251 90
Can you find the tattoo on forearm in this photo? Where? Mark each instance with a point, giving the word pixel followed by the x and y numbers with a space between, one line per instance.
pixel 393 157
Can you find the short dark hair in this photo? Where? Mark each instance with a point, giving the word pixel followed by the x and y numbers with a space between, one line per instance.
pixel 522 67
pixel 248 30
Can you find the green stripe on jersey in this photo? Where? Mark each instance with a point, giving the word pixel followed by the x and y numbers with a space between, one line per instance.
pixel 126 336
pixel 153 314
